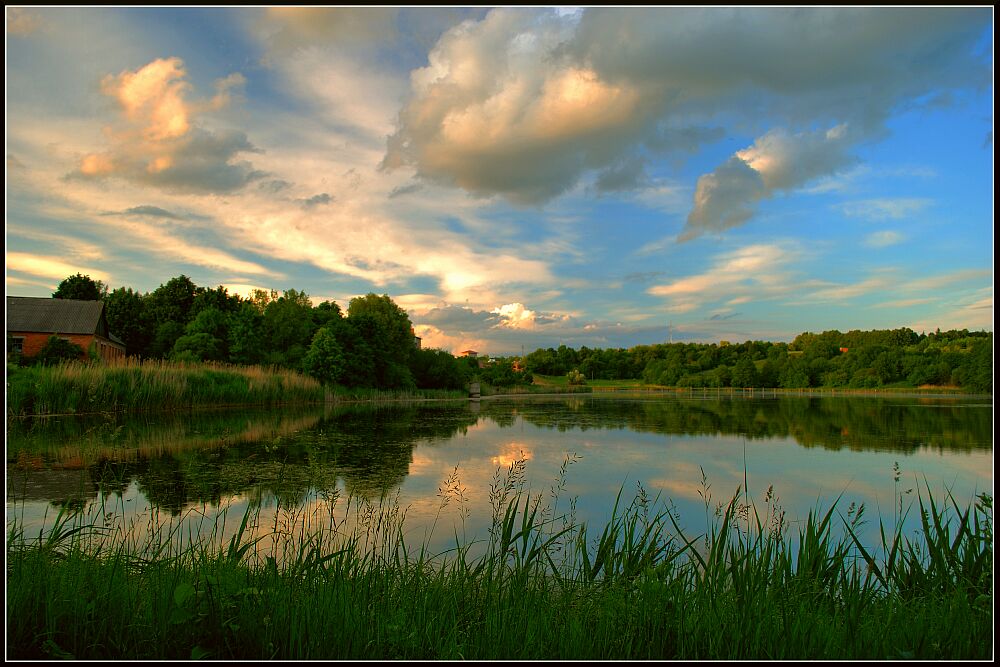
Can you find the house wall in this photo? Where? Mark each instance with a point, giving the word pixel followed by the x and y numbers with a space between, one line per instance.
pixel 34 342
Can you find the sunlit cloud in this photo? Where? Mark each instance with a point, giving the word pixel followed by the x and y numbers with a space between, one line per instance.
pixel 758 271
pixel 512 452
pixel 159 144
pixel 777 161
pixel 850 291
pixel 50 267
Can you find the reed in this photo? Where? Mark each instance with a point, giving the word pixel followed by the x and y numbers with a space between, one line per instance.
pixel 540 586
pixel 135 385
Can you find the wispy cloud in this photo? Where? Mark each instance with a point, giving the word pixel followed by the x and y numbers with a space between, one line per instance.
pixel 46 266
pixel 755 271
pixel 883 239
pixel 885 209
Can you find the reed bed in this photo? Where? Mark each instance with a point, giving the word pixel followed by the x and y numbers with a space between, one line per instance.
pixel 147 385
pixel 539 586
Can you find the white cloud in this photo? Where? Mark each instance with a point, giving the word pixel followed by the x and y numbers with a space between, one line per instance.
pixel 777 161
pixel 525 101
pixel 883 239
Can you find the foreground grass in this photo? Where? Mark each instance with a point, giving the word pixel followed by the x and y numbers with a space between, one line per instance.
pixel 132 385
pixel 541 588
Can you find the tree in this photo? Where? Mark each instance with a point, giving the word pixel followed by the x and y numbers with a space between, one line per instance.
pixel 359 364
pixel 206 336
pixel 388 333
pixel 166 311
pixel 745 373
pixel 124 311
pixel 81 288
pixel 325 358
pixel 246 328
pixel 392 321
pixel 437 369
pixel 288 328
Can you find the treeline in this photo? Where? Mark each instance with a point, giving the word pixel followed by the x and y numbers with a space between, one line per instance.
pixel 856 359
pixel 372 344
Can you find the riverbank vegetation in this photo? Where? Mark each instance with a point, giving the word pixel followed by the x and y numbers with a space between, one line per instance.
pixel 539 586
pixel 132 385
pixel 372 346
pixel 898 358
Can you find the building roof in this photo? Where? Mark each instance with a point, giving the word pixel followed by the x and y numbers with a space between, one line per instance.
pixel 66 316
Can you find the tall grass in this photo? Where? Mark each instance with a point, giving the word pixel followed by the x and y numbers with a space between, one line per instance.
pixel 345 584
pixel 133 385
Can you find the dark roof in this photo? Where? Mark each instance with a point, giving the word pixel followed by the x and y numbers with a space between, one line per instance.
pixel 66 316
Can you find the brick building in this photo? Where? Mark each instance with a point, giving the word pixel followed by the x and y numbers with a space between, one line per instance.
pixel 31 321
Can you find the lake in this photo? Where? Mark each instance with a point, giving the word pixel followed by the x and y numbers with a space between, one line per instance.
pixel 194 474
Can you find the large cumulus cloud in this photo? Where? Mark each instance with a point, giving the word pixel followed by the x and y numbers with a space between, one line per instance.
pixel 527 102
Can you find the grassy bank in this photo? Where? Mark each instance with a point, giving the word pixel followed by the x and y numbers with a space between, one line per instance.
pixel 561 382
pixel 131 385
pixel 542 588
pixel 489 390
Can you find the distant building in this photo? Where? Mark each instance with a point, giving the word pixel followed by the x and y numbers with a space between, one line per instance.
pixel 468 353
pixel 416 338
pixel 31 321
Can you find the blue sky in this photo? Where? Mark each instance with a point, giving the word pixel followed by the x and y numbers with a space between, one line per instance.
pixel 516 177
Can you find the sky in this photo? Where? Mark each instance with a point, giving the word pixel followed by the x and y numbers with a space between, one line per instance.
pixel 516 177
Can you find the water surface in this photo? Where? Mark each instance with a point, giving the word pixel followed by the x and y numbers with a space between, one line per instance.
pixel 438 461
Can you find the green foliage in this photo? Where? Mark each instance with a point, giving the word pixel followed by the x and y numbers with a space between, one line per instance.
pixel 575 377
pixel 246 328
pixel 325 358
pixel 123 309
pixel 288 328
pixel 437 369
pixel 745 373
pixel 81 288
pixel 378 344
pixel 501 373
pixel 72 387
pixel 856 359
pixel 56 350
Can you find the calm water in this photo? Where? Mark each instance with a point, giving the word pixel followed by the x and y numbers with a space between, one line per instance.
pixel 438 460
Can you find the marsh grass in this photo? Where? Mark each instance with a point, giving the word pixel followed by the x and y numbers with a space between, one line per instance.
pixel 341 582
pixel 150 385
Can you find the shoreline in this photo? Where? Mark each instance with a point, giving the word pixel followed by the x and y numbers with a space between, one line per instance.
pixel 702 393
